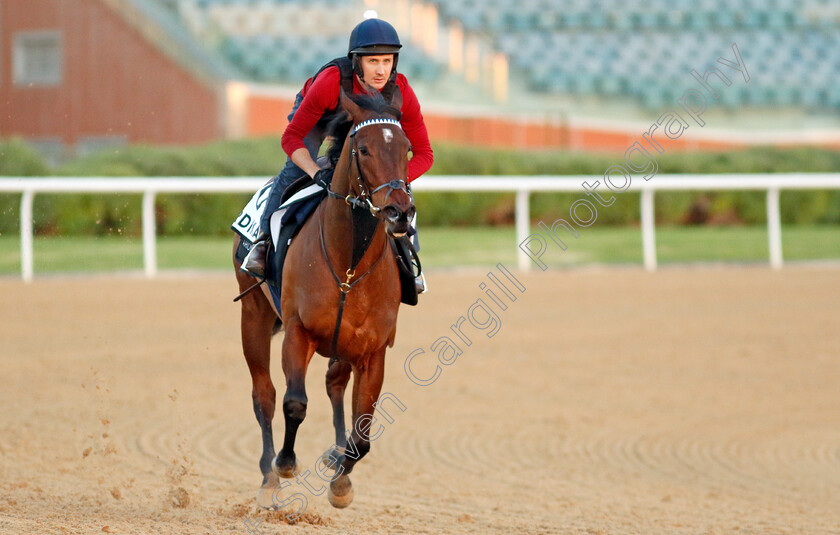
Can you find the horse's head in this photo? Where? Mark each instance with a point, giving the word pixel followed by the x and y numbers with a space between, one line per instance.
pixel 379 156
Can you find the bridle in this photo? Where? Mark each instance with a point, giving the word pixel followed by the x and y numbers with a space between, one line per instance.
pixel 363 199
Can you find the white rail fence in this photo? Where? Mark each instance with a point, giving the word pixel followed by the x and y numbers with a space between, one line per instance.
pixel 523 186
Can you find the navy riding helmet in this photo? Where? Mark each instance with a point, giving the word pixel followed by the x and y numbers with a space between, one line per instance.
pixel 374 36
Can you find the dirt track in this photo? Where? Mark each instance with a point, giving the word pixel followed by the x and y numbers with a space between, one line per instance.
pixel 695 401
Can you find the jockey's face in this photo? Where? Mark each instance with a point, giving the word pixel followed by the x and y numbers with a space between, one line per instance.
pixel 377 69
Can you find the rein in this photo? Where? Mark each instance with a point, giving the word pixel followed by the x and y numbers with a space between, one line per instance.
pixel 361 243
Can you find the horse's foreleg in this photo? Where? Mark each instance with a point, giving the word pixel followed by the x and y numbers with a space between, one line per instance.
pixel 257 323
pixel 338 376
pixel 298 348
pixel 367 385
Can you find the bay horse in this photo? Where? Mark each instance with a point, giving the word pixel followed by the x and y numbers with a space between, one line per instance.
pixel 336 300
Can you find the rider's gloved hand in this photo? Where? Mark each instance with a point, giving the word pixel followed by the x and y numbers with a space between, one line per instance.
pixel 323 176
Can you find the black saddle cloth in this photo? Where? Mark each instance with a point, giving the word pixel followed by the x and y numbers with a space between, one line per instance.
pixel 290 224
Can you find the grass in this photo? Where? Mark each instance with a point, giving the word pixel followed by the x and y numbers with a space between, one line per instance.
pixel 447 247
pixel 623 245
pixel 111 253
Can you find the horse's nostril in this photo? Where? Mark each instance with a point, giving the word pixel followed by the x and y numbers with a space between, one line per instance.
pixel 392 213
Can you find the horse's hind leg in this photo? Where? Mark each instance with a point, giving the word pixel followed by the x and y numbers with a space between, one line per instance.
pixel 298 348
pixel 257 324
pixel 367 385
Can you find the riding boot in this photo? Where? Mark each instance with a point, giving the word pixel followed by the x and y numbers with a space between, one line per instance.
pixel 254 262
pixel 420 284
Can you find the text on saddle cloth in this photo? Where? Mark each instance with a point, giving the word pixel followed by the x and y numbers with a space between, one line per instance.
pixel 247 224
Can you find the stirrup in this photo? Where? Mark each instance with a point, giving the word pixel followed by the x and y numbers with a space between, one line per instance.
pixel 420 284
pixel 254 261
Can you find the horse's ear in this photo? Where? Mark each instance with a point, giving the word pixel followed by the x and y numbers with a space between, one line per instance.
pixel 349 106
pixel 396 98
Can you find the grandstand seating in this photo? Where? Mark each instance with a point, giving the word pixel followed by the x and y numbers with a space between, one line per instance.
pixel 646 50
pixel 643 51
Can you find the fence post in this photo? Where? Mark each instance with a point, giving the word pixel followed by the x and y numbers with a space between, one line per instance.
pixel 26 235
pixel 648 230
pixel 523 226
pixel 149 246
pixel 774 228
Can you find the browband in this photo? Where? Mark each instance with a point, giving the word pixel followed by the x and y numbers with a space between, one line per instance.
pixel 374 121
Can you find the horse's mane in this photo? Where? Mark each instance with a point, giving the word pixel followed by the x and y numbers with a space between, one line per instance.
pixel 371 101
pixel 339 127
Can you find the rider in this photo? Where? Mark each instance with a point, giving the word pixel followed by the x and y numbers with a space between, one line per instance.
pixel 371 60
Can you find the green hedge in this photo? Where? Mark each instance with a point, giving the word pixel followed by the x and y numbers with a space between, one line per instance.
pixel 16 159
pixel 720 207
pixel 211 214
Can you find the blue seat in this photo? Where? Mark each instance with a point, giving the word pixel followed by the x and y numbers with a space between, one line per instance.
pixel 652 96
pixel 559 82
pixel 611 86
pixel 539 78
pixel 723 18
pixel 833 97
pixel 753 19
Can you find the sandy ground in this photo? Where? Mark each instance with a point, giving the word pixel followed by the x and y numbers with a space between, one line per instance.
pixel 690 401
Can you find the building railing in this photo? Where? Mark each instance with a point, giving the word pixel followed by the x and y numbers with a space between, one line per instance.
pixel 523 186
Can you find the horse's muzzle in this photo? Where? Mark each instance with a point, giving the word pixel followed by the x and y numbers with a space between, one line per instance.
pixel 397 220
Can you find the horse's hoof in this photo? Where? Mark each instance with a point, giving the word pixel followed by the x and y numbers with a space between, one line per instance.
pixel 265 494
pixel 284 471
pixel 340 492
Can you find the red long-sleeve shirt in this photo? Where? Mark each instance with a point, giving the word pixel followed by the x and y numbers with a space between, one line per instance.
pixel 321 95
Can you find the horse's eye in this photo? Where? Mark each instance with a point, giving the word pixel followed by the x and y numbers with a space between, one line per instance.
pixel 364 151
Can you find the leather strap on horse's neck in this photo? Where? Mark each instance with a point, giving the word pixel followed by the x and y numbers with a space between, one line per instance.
pixel 360 247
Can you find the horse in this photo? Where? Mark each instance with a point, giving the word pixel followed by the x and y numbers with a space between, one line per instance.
pixel 339 298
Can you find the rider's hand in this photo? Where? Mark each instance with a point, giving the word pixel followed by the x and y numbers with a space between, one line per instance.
pixel 323 176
